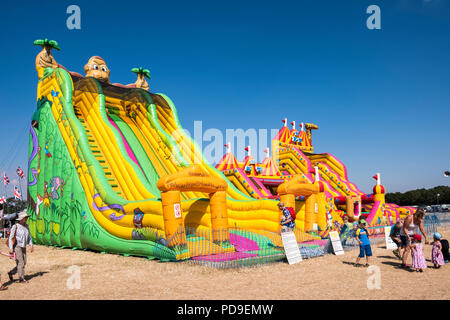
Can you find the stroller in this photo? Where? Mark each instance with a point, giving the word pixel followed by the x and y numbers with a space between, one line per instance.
pixel 445 252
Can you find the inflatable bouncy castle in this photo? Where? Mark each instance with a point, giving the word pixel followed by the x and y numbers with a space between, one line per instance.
pixel 110 169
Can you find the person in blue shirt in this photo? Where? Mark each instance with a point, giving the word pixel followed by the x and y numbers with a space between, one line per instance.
pixel 287 224
pixel 362 236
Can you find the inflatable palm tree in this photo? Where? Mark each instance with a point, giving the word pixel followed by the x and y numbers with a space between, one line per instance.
pixel 141 82
pixel 45 58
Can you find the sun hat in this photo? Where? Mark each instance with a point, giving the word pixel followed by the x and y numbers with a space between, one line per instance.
pixel 437 236
pixel 417 237
pixel 21 215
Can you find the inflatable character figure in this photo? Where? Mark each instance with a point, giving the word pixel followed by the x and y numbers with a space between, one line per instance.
pixel 137 219
pixel 96 68
pixel 39 200
pixel 55 183
pixel 46 195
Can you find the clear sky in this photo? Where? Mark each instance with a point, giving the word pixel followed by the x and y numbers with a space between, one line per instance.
pixel 381 98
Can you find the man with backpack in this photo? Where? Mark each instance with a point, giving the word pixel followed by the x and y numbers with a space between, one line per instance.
pixel 287 218
pixel 18 240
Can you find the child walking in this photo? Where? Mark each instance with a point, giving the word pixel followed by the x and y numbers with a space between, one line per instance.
pixel 418 259
pixel 362 236
pixel 437 258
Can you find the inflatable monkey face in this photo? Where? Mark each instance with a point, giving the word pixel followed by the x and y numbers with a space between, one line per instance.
pixel 97 68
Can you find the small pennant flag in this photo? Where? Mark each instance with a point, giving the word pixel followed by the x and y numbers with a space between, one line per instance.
pixel 17 194
pixel 228 145
pixel 5 179
pixel 2 200
pixel 20 173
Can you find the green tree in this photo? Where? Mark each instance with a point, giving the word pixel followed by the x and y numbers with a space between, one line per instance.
pixel 420 197
pixel 13 205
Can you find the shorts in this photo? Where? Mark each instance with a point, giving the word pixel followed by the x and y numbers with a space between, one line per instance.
pixel 398 243
pixel 286 229
pixel 365 248
pixel 405 241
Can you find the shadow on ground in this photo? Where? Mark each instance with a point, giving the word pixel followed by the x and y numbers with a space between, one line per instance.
pixel 27 277
pixel 397 265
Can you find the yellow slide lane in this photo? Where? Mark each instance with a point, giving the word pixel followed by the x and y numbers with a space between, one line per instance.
pixel 293 165
pixel 121 168
pixel 146 136
pixel 165 117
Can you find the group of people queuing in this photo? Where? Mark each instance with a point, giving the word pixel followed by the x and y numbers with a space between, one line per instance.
pixel 409 235
pixel 406 235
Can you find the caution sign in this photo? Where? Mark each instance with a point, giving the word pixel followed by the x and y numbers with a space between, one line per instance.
pixel 336 243
pixel 389 243
pixel 177 210
pixel 291 248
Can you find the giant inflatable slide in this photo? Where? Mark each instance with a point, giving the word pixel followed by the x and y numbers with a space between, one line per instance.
pixel 110 169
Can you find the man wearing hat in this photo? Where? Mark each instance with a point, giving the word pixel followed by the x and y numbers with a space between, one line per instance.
pixel 18 239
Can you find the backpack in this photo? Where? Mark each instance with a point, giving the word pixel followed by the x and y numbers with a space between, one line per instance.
pixel 14 240
pixel 292 212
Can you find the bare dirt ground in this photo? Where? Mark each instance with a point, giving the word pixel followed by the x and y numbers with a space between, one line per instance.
pixel 107 276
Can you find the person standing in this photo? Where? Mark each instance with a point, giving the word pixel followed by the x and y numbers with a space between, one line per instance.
pixel 411 226
pixel 19 238
pixel 437 258
pixel 418 259
pixel 362 236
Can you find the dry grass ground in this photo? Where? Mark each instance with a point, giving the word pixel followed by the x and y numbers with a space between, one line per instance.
pixel 106 276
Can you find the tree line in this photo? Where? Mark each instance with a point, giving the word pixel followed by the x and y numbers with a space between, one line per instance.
pixel 13 205
pixel 420 197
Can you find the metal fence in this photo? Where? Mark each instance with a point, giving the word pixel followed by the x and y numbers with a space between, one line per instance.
pixel 244 248
pixel 237 248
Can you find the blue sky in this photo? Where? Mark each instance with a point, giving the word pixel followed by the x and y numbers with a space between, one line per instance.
pixel 381 98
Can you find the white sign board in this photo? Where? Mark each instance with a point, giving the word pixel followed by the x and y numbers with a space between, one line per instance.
pixel 177 210
pixel 389 243
pixel 336 243
pixel 291 248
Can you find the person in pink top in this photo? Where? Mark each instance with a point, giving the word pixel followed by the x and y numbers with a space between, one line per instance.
pixel 437 258
pixel 418 259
